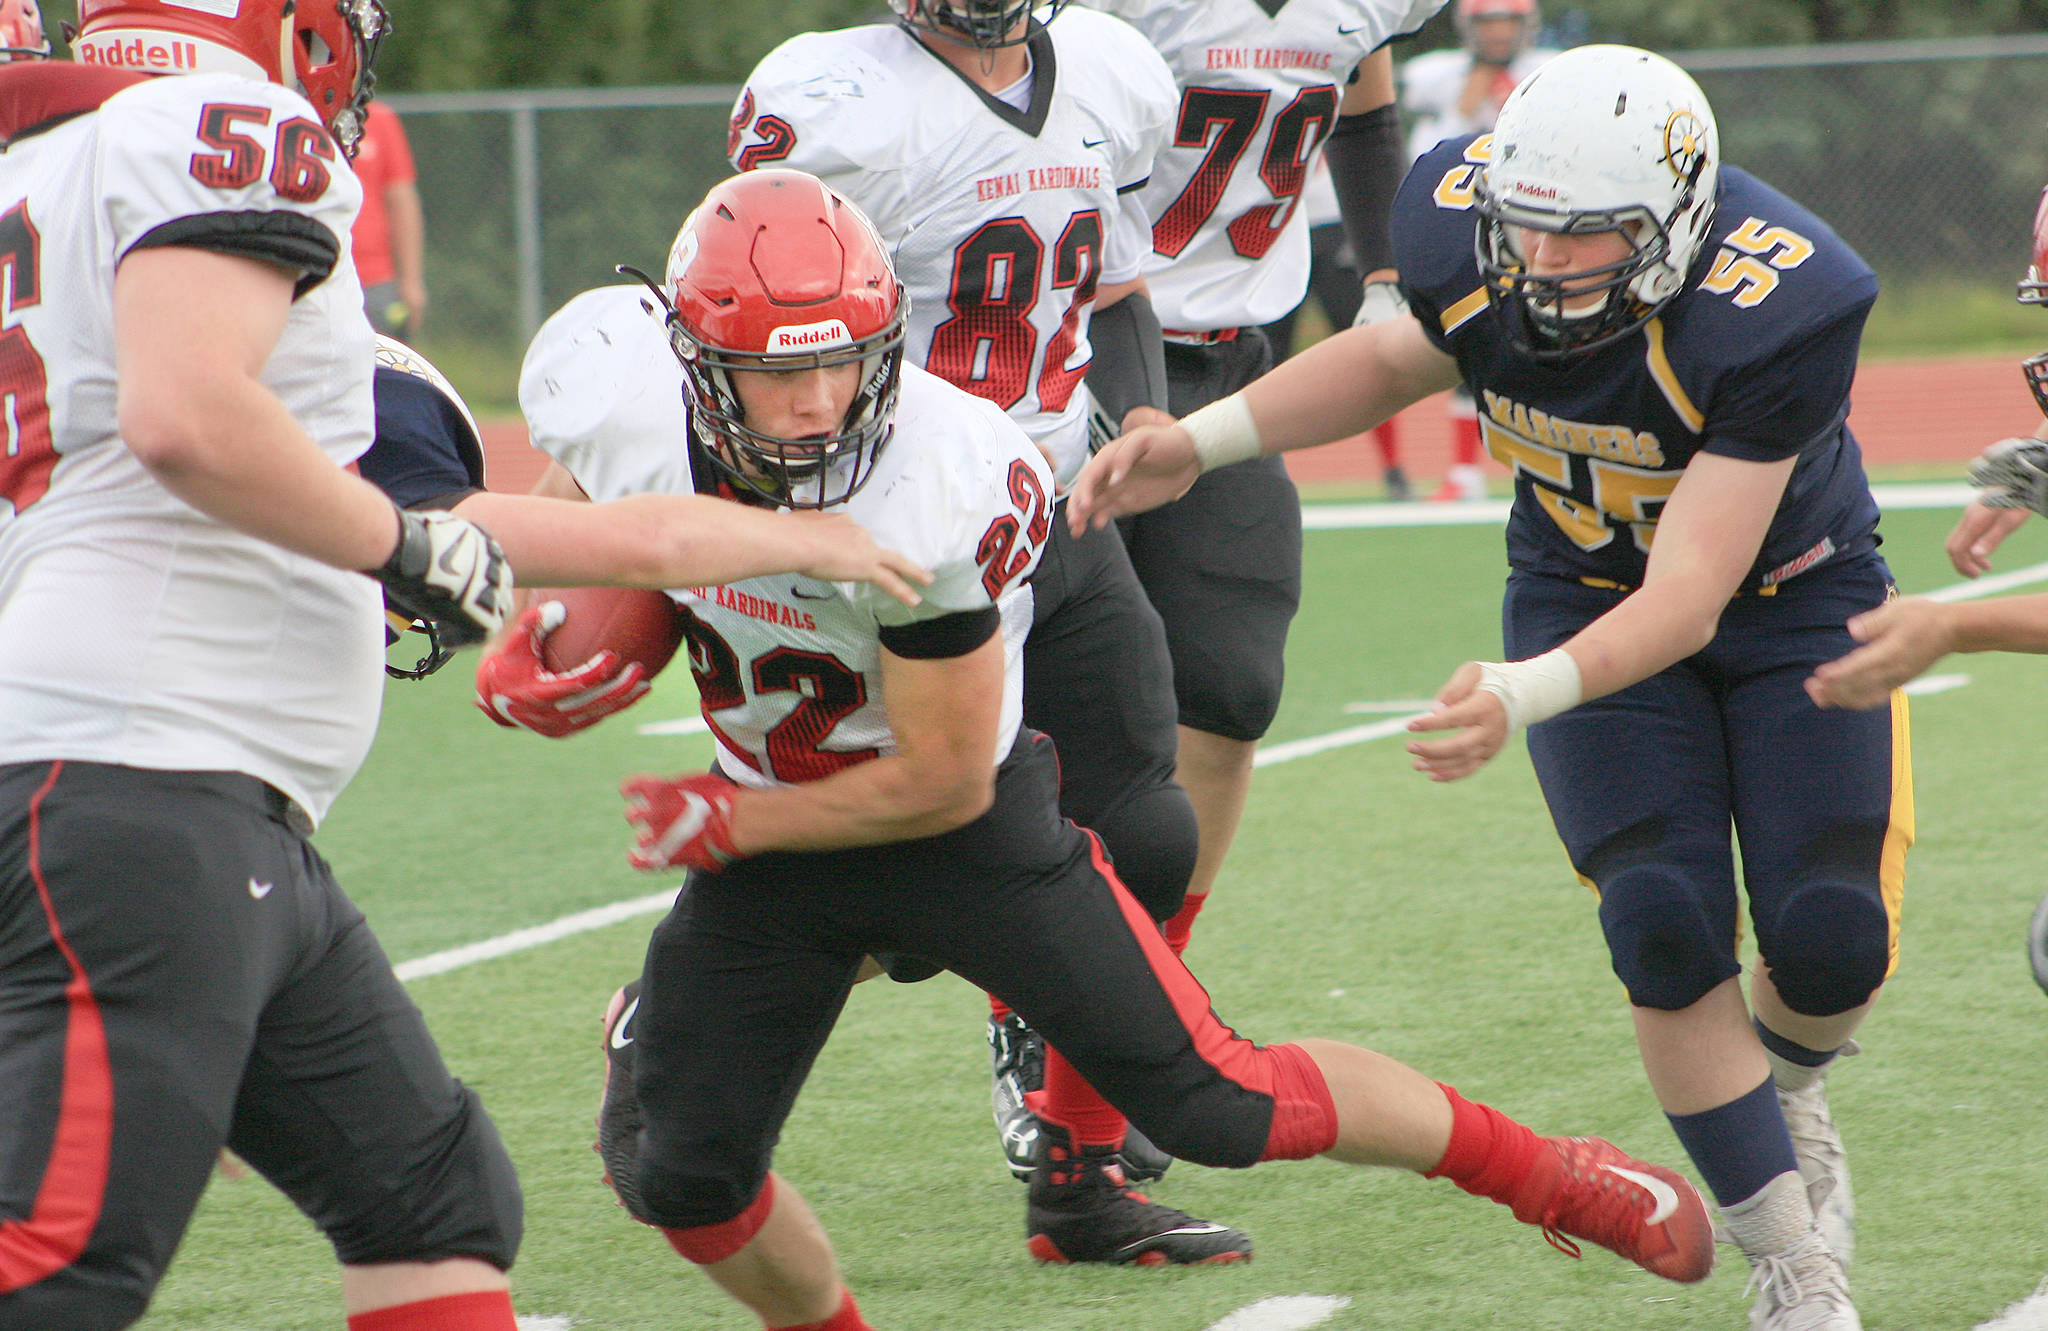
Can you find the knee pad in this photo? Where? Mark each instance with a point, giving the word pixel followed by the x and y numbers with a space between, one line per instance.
pixel 1274 1105
pixel 1236 698
pixel 1152 839
pixel 1665 949
pixel 465 1202
pixel 702 1195
pixel 1209 1130
pixel 104 1299
pixel 1828 946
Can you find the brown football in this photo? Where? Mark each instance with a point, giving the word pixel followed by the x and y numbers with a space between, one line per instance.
pixel 639 625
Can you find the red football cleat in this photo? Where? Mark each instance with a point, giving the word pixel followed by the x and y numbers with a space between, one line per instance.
pixel 1589 1189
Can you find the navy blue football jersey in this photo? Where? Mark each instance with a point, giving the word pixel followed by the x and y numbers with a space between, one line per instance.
pixel 1753 360
pixel 425 454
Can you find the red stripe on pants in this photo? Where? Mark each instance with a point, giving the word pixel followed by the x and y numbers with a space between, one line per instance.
pixel 1304 1115
pixel 75 1178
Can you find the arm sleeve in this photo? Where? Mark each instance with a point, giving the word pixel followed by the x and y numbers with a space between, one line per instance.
pixel 943 638
pixel 1129 369
pixel 1367 162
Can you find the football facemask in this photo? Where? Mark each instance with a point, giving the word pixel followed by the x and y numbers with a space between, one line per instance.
pixel 2033 290
pixel 984 24
pixel 776 271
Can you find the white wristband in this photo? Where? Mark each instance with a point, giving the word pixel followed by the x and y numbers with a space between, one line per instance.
pixel 1533 690
pixel 1223 431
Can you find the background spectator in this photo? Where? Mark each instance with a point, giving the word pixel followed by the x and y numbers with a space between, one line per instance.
pixel 390 232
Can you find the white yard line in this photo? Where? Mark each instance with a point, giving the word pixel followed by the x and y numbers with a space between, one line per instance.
pixel 519 940
pixel 2029 1314
pixel 1288 1312
pixel 1990 586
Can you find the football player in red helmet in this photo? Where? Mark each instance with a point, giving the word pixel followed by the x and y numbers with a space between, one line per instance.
pixel 21 31
pixel 333 45
pixel 776 271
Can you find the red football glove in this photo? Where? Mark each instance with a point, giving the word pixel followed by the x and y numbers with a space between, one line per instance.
pixel 682 821
pixel 516 690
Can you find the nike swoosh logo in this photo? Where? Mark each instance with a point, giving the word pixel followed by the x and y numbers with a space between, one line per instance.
pixel 802 595
pixel 1093 143
pixel 1343 31
pixel 259 890
pixel 1666 1195
pixel 619 1037
pixel 1167 1233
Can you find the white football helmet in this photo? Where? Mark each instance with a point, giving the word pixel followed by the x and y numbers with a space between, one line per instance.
pixel 1600 138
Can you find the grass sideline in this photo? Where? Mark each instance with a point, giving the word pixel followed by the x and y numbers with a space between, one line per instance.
pixel 1437 923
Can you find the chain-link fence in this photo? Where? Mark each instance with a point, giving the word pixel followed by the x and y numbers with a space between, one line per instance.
pixel 1926 156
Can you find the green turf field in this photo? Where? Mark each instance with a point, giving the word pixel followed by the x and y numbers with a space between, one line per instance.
pixel 1439 924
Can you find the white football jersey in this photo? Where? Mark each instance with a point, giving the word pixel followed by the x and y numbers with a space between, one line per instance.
pixel 1432 82
pixel 1258 95
pixel 1002 223
pixel 788 668
pixel 134 629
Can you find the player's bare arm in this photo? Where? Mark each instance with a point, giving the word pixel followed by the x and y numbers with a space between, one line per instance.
pixel 1902 639
pixel 1343 385
pixel 945 715
pixel 193 330
pixel 1707 539
pixel 658 541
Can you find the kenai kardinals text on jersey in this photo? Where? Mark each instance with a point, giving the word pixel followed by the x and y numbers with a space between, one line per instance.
pixel 1753 360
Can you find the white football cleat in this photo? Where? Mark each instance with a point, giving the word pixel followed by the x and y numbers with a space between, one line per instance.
pixel 1802 1288
pixel 1817 1144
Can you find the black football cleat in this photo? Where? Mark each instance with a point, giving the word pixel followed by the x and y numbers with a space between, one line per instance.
pixel 1082 1209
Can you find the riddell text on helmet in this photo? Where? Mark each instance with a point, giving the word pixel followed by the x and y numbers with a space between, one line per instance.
pixel 139 53
pixel 829 333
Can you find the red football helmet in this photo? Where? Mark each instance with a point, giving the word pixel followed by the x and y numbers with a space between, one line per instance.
pixel 777 271
pixel 2034 291
pixel 332 46
pixel 21 31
